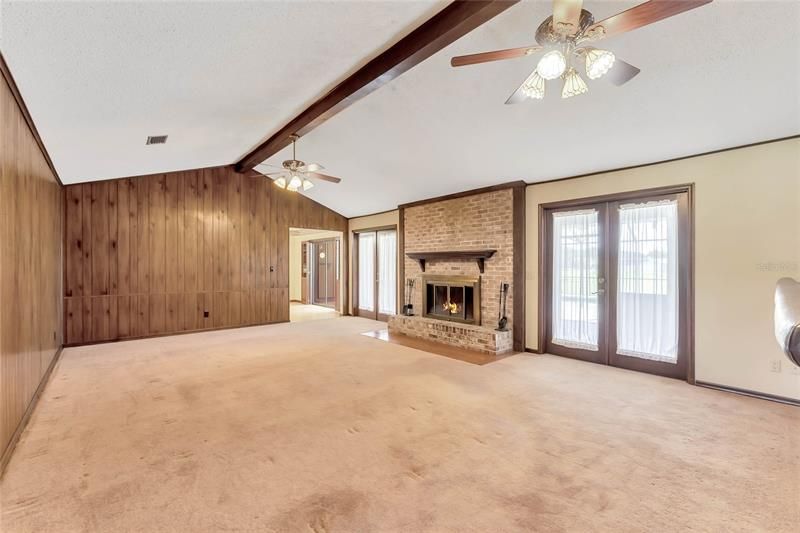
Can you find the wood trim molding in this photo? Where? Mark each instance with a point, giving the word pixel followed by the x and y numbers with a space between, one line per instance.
pixel 483 190
pixel 681 158
pixel 23 423
pixel 748 392
pixel 401 260
pixel 12 85
pixel 445 27
pixel 620 196
pixel 519 267
pixel 375 228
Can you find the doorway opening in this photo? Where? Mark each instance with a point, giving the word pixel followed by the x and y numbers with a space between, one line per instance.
pixel 616 284
pixel 315 274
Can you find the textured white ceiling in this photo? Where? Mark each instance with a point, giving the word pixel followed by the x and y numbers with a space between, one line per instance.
pixel 217 77
pixel 722 75
pixel 220 77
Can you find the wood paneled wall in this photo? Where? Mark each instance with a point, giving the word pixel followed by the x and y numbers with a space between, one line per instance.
pixel 31 225
pixel 150 255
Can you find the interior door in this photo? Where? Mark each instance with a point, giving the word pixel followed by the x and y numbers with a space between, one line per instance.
pixel 617 276
pixel 576 280
pixel 376 272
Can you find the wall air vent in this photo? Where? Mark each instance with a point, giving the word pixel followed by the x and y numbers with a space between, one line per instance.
pixel 156 139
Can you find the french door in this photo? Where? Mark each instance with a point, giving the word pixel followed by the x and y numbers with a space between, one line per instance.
pixel 617 282
pixel 375 273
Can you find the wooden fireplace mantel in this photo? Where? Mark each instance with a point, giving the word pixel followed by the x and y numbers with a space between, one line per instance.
pixel 478 255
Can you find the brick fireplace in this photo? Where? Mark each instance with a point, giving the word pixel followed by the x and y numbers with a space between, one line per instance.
pixel 450 242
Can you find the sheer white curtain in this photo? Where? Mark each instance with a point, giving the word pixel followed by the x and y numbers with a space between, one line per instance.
pixel 366 271
pixel 387 272
pixel 575 271
pixel 647 287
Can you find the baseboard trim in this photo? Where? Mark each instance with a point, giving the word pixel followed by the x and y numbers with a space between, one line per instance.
pixel 750 393
pixel 23 423
pixel 534 350
pixel 170 334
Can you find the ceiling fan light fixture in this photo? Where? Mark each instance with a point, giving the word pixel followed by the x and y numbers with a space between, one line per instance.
pixel 534 86
pixel 598 62
pixel 295 183
pixel 280 182
pixel 573 84
pixel 551 65
pixel 307 184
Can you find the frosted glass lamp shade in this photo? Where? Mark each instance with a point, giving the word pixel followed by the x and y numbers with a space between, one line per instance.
pixel 573 84
pixel 598 62
pixel 551 65
pixel 534 86
pixel 280 182
pixel 294 183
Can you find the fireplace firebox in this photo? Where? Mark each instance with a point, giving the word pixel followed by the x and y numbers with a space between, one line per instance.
pixel 452 298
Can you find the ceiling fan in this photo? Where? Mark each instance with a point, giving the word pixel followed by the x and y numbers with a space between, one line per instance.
pixel 568 35
pixel 295 174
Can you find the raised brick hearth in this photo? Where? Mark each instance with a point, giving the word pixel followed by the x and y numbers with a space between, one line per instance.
pixel 467 336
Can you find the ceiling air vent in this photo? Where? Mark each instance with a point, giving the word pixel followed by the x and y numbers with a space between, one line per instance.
pixel 156 139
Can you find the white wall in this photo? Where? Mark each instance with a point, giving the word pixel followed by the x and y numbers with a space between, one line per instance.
pixel 389 218
pixel 747 236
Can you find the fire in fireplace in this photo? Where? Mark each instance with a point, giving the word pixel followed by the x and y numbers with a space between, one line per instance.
pixel 452 298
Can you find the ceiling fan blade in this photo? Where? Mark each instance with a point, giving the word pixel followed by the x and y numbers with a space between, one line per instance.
pixel 622 72
pixel 641 15
pixel 566 15
pixel 518 96
pixel 258 174
pixel 323 177
pixel 496 55
pixel 268 166
pixel 311 167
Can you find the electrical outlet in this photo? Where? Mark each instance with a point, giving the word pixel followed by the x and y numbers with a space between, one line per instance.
pixel 775 365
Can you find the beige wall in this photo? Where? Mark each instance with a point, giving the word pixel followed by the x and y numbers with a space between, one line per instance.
pixel 389 218
pixel 747 236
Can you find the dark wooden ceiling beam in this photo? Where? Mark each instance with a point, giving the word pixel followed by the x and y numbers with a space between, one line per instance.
pixel 444 28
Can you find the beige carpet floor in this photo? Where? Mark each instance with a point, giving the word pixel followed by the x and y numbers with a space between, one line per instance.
pixel 313 427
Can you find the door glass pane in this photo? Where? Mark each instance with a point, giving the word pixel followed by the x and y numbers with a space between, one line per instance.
pixel 366 271
pixel 575 272
pixel 647 288
pixel 387 273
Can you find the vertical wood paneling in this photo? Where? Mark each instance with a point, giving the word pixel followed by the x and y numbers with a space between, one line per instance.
pixel 176 245
pixel 32 282
pixel 100 237
pixel 157 200
pixel 123 218
pixel 74 242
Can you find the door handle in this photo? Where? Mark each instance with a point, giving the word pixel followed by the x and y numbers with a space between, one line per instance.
pixel 599 291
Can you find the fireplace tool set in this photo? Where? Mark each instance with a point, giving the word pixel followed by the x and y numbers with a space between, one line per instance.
pixel 502 323
pixel 408 307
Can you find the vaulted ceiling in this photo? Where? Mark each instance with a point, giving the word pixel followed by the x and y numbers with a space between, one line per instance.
pixel 219 78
